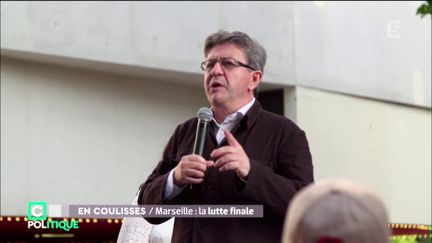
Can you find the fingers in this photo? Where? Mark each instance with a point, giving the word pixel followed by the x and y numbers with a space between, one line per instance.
pixel 231 157
pixel 193 181
pixel 193 157
pixel 224 160
pixel 210 163
pixel 229 166
pixel 231 162
pixel 194 161
pixel 223 151
pixel 231 139
pixel 193 174
pixel 190 170
pixel 234 146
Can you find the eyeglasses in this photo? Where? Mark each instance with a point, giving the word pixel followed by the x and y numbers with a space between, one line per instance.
pixel 227 63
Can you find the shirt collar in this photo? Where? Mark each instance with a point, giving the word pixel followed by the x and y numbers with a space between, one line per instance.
pixel 246 107
pixel 238 114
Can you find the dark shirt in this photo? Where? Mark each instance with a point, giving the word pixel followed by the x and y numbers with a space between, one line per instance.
pixel 280 165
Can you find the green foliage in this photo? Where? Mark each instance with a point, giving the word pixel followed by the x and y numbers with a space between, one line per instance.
pixel 410 239
pixel 405 239
pixel 425 9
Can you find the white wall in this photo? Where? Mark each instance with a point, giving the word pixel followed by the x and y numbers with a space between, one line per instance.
pixel 76 136
pixel 373 49
pixel 386 147
pixel 380 50
pixel 151 34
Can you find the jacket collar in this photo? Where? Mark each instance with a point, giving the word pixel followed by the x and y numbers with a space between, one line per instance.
pixel 252 114
pixel 245 123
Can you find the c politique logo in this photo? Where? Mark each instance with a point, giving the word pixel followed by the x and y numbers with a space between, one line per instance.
pixel 37 210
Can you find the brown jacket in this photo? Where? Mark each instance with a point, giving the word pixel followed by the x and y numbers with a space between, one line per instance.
pixel 281 165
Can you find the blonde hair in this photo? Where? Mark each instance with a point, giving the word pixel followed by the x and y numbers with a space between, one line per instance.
pixel 338 210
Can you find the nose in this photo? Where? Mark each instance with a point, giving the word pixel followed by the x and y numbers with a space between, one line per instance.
pixel 217 69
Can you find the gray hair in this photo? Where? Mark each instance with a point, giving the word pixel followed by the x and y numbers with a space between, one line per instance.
pixel 255 53
pixel 336 209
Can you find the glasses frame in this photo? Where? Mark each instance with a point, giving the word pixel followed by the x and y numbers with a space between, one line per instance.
pixel 219 60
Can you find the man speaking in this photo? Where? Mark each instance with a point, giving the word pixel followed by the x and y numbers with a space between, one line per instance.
pixel 249 155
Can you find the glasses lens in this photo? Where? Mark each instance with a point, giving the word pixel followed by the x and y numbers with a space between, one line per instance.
pixel 209 64
pixel 228 63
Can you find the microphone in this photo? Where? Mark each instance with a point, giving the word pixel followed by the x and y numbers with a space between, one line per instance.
pixel 205 115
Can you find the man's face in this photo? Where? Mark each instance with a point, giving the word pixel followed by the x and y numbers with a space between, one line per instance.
pixel 229 87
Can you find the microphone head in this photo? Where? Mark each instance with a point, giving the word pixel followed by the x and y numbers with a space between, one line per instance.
pixel 205 114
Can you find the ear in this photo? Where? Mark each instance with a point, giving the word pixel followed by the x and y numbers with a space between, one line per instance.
pixel 255 79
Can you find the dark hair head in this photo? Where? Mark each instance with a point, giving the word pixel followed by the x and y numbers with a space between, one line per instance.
pixel 255 52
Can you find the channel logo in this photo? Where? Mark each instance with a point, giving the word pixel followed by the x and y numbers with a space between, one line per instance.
pixel 37 210
pixel 37 213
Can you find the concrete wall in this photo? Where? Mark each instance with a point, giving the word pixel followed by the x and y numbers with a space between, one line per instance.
pixel 151 34
pixel 75 136
pixel 380 50
pixel 386 147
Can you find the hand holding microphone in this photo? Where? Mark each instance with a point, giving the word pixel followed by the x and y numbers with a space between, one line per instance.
pixel 191 168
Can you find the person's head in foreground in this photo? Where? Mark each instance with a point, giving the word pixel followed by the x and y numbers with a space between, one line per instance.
pixel 336 211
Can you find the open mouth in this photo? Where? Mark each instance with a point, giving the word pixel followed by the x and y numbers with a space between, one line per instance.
pixel 216 85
